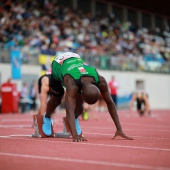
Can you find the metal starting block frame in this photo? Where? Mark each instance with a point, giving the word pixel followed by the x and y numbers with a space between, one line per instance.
pixel 40 134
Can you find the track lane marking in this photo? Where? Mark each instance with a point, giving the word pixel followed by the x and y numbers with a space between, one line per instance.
pixel 94 162
pixel 109 134
pixel 91 133
pixel 30 126
pixel 92 144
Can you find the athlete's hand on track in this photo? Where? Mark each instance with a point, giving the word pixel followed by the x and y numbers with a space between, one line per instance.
pixel 79 139
pixel 121 134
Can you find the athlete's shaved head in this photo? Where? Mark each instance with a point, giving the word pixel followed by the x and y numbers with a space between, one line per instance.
pixel 90 93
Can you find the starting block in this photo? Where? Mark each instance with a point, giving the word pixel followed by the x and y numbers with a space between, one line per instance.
pixel 40 134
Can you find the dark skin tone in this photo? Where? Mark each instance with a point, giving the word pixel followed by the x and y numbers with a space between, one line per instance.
pixel 74 105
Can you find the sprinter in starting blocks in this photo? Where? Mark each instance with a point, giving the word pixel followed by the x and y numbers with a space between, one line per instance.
pixel 40 134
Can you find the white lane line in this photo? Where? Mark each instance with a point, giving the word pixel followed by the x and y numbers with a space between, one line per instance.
pixel 94 162
pixel 16 120
pixel 92 127
pixel 19 135
pixel 5 136
pixel 158 126
pixel 91 133
pixel 107 134
pixel 15 126
pixel 24 120
pixel 24 126
pixel 16 135
pixel 92 144
pixel 156 130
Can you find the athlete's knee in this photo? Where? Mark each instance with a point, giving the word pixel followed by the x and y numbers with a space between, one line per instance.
pixel 55 100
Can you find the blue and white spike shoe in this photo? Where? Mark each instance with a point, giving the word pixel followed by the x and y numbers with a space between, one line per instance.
pixel 46 127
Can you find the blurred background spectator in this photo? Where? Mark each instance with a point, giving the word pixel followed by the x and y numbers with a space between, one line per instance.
pixel 110 35
pixel 46 27
pixel 113 86
pixel 33 92
pixel 24 98
pixel 8 82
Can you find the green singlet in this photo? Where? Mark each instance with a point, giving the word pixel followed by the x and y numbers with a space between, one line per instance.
pixel 71 64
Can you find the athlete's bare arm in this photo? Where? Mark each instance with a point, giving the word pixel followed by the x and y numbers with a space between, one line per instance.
pixel 43 95
pixel 103 87
pixel 70 100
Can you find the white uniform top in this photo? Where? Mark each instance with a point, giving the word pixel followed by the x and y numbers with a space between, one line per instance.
pixel 60 58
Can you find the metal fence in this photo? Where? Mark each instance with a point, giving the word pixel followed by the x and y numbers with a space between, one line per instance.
pixel 31 56
pixel 127 64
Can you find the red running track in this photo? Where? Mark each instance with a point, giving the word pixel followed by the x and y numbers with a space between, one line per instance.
pixel 150 149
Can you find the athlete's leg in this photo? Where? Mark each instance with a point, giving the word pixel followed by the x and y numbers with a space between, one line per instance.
pixel 47 120
pixel 57 92
pixel 139 108
pixel 52 104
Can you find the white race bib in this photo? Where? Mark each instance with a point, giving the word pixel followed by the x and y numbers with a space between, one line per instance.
pixel 60 59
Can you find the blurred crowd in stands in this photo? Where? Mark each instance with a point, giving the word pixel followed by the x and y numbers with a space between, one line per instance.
pixel 35 28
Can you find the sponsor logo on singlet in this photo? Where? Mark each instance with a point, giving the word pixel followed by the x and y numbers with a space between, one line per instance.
pixel 82 70
pixel 60 58
pixel 74 65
